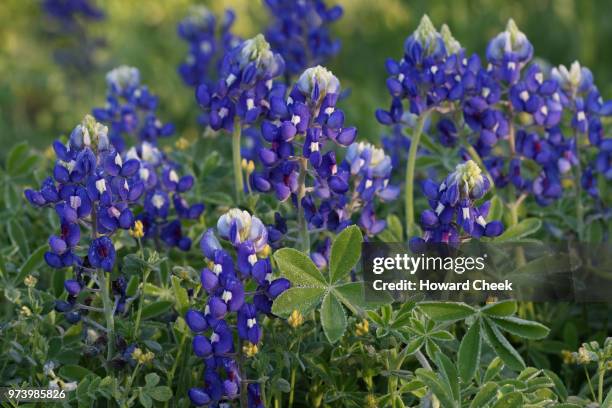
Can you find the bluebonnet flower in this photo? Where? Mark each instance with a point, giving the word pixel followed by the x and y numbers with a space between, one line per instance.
pixel 224 280
pixel 131 113
pixel 299 31
pixel 454 209
pixel 509 52
pixel 93 187
pixel 68 22
pixel 299 159
pixel 243 86
pixel 207 41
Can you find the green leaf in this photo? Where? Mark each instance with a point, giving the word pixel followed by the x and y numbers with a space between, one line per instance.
pixel 468 356
pixel 74 372
pixel 351 294
pixel 496 211
pixel 394 225
pixel 437 387
pixel 18 236
pixel 151 380
pixel 414 346
pixel 161 393
pixel 298 268
pixel 494 368
pixel 180 295
pixel 511 400
pixel 302 299
pixel 526 227
pixel 145 399
pixel 502 347
pixel 333 318
pixel 559 387
pixel 345 253
pixel 33 262
pixel 449 374
pixel 282 385
pixel 501 309
pixel 446 311
pixel 485 395
pixel 522 328
pixel 442 335
pixel 15 157
pixel 156 308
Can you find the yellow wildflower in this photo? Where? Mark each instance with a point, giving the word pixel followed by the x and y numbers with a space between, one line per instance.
pixel 362 328
pixel 296 319
pixel 250 349
pixel 138 230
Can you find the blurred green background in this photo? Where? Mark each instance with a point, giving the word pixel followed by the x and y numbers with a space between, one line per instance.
pixel 40 101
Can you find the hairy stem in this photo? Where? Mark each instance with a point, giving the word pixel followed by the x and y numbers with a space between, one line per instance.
pixel 303 224
pixel 237 158
pixel 109 307
pixel 410 167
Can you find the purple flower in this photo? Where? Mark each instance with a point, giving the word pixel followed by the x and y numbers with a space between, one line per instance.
pixel 101 253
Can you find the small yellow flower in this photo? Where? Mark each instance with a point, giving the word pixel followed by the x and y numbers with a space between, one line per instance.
pixel 370 401
pixel 568 357
pixel 567 183
pixel 247 165
pixel 296 319
pixel 141 357
pixel 30 281
pixel 25 311
pixel 182 143
pixel 138 230
pixel 250 349
pixel 265 252
pixel 491 299
pixel 362 328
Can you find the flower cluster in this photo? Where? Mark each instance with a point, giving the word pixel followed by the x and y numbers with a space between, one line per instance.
pixel 510 99
pixel 299 31
pixel 69 22
pixel 95 189
pixel 130 111
pixel 224 281
pixel 299 160
pixel 243 87
pixel 454 209
pixel 206 45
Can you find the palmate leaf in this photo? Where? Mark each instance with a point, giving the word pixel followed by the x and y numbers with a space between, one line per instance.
pixel 500 309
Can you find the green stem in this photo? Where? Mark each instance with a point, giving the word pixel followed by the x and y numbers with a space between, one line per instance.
pixel 588 377
pixel 141 303
pixel 410 166
pixel 179 354
pixel 291 393
pixel 601 371
pixel 109 305
pixel 303 224
pixel 237 158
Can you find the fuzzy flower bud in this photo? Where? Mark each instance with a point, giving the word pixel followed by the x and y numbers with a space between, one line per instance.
pixel 318 80
pixel 362 328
